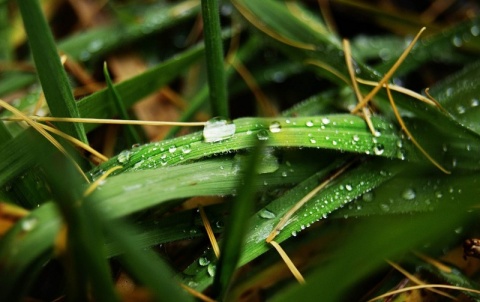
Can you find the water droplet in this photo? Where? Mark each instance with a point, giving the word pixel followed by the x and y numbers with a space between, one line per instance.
pixel 325 121
pixel 211 268
pixel 460 109
pixel 275 127
pixel 385 207
pixel 377 133
pixel 368 197
pixel 356 138
pixel 29 223
pixel 334 143
pixel 313 141
pixel 474 102
pixel 475 30
pixel 219 224
pixel 124 156
pixel 294 233
pixel 378 149
pixel 284 174
pixel 348 187
pixel 172 149
pixel 438 194
pixel 457 41
pixel 408 194
pixel 262 135
pixel 266 214
pixel 186 149
pixel 203 261
pixel 218 129
pixel 309 124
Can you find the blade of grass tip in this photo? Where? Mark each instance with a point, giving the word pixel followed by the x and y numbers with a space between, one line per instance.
pixel 240 210
pixel 389 74
pixel 50 71
pixel 132 136
pixel 217 82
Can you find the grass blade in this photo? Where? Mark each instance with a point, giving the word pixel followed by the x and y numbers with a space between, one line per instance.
pixel 235 230
pixel 217 82
pixel 49 68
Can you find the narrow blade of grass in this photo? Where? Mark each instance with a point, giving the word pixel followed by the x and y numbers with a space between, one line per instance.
pixel 233 237
pixel 217 82
pixel 50 71
pixel 132 134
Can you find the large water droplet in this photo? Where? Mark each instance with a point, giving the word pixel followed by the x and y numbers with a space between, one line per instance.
pixel 275 127
pixel 29 223
pixel 262 135
pixel 172 149
pixel 266 214
pixel 325 121
pixel 348 187
pixel 203 261
pixel 309 124
pixel 124 156
pixel 378 149
pixel 186 149
pixel 218 129
pixel 408 194
pixel 211 268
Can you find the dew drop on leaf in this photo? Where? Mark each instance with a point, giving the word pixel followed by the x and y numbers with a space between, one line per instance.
pixel 309 124
pixel 378 149
pixel 262 135
pixel 203 261
pixel 124 156
pixel 28 224
pixel 275 127
pixel 325 121
pixel 266 214
pixel 218 129
pixel 172 149
pixel 211 268
pixel 186 149
pixel 408 194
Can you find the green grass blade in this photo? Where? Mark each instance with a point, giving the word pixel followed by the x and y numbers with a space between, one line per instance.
pixel 217 82
pixel 240 210
pixel 93 43
pixel 25 248
pixel 332 281
pixel 134 89
pixel 145 266
pixel 49 68
pixel 87 265
pixel 132 134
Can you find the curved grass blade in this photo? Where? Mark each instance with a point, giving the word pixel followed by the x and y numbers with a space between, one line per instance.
pixel 50 71
pixel 341 132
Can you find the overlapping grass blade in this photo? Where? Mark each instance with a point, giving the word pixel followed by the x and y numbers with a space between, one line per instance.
pixel 132 136
pixel 333 280
pixel 97 105
pixel 240 211
pixel 50 71
pixel 85 260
